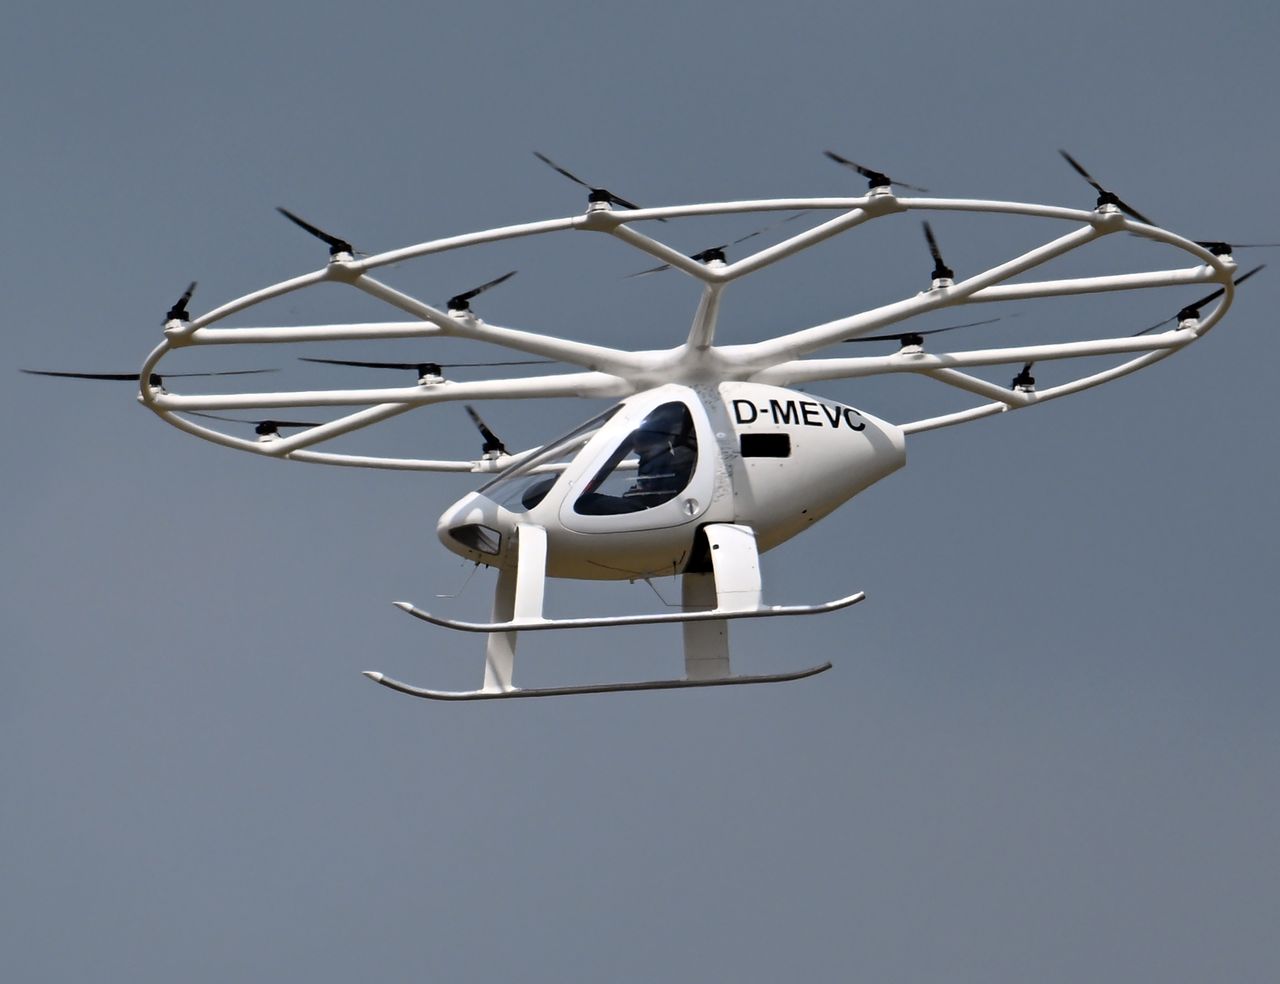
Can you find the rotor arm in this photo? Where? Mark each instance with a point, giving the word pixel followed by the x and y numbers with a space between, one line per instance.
pixel 353 270
pixel 1011 398
pixel 311 333
pixel 807 340
pixel 816 370
pixel 603 358
pixel 582 384
pixel 703 330
pixel 863 211
pixel 269 449
pixel 386 404
pixel 482 466
pixel 547 387
pixel 941 368
pixel 160 402
pixel 665 253
pixel 1099 285
pixel 1039 396
pixel 276 448
pixel 872 207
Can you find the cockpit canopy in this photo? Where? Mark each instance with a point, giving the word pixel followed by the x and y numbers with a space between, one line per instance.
pixel 665 449
pixel 648 465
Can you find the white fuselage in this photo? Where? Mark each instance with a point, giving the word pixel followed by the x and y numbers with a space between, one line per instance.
pixel 620 502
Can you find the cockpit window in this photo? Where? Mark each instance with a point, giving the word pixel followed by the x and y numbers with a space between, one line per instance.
pixel 665 449
pixel 523 486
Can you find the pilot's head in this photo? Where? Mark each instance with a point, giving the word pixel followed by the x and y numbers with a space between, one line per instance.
pixel 666 424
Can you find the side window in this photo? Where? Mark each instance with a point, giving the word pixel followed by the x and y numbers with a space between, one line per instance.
pixel 525 485
pixel 652 465
pixel 765 445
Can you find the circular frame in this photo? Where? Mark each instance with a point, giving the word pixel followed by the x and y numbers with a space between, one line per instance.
pixel 614 373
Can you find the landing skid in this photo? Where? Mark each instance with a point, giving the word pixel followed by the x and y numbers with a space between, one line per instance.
pixel 592 688
pixel 710 601
pixel 534 624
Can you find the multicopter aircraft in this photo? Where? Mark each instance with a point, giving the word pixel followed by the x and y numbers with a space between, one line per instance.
pixel 709 455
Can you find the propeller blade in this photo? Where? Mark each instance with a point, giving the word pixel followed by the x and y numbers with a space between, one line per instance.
pixel 876 179
pixel 179 310
pixel 770 227
pixel 717 252
pixel 1079 169
pixel 920 334
pixel 1024 379
pixel 1104 197
pixel 1219 248
pixel 1158 324
pixel 623 202
pixel 134 376
pixel 491 441
pixel 1193 310
pixel 227 372
pixel 368 365
pixel 262 426
pixel 702 256
pixel 420 365
pixel 597 194
pixel 85 375
pixel 335 244
pixel 461 302
pixel 710 253
pixel 940 270
pixel 751 235
pixel 556 167
pixel 1214 295
pixel 641 273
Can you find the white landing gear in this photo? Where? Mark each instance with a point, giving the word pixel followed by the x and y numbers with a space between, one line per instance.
pixel 731 591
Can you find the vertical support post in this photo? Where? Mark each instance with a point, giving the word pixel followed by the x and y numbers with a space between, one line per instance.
pixel 736 563
pixel 706 644
pixel 703 329
pixel 518 597
pixel 500 647
pixel 531 570
pixel 734 586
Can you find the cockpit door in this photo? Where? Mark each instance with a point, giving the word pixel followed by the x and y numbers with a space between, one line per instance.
pixel 656 470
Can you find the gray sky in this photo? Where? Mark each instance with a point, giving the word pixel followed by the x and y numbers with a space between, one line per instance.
pixel 1049 747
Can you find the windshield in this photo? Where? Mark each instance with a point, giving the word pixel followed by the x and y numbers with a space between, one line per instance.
pixel 524 486
pixel 665 447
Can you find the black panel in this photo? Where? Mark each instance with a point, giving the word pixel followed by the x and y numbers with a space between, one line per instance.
pixel 766 445
pixel 477 537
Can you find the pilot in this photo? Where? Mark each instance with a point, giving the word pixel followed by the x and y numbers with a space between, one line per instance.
pixel 666 447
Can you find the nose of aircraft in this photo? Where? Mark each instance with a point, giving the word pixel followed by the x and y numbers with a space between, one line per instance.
pixel 473 528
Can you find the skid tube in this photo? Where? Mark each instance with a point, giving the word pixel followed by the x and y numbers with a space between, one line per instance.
pixel 592 688
pixel 534 624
